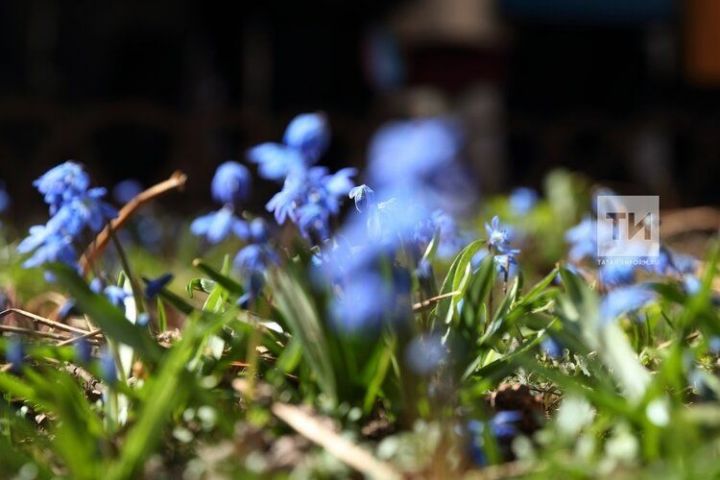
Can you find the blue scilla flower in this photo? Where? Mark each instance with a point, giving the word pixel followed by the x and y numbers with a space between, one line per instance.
pixel 425 354
pixel 116 295
pixel 362 195
pixel 617 273
pixel 276 161
pixel 154 286
pixel 255 258
pixel 83 350
pixel 74 209
pixel 309 134
pixel 582 239
pixel 305 140
pixel 623 300
pixel 15 353
pixel 552 348
pixel 253 261
pixel 412 151
pixel 231 183
pixel 126 190
pixel 4 198
pixel 62 183
pixel 522 200
pixel 258 230
pixel 503 426
pixel 498 236
pixel 362 304
pixel 506 264
pixel 108 370
pixel 216 226
pixel 313 221
pixel 315 191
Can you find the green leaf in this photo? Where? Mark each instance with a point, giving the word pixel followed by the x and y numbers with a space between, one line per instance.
pixel 227 283
pixel 301 317
pixel 456 281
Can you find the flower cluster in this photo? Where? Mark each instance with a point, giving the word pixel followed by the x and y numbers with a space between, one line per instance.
pixel 619 271
pixel 75 208
pixel 230 186
pixel 310 195
pixel 416 185
pixel 498 244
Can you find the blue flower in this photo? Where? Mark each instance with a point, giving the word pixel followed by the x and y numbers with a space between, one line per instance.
pixel 691 284
pixel 362 195
pixel 4 198
pixel 74 209
pixel 258 230
pixel 617 273
pixel 231 183
pixel 498 236
pixel 83 350
pixel 552 347
pixel 506 264
pixel 503 426
pixel 363 303
pixel 252 261
pixel 108 370
pixel 313 222
pixel 126 190
pixel 275 161
pixel 309 134
pixel 66 309
pixel 425 354
pixel 522 200
pixel 412 151
pixel 216 226
pixel 15 353
pixel 582 239
pixel 116 295
pixel 624 300
pixel 284 203
pixel 62 183
pixel 154 286
pixel 255 258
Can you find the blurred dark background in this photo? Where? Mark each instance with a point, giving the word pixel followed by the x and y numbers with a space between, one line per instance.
pixel 626 91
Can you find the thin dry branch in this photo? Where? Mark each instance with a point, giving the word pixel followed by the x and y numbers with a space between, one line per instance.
pixel 43 320
pixel 340 447
pixel 176 181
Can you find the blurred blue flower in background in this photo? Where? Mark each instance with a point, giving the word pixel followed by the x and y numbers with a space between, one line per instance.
pixel 623 300
pixel 108 371
pixel 4 198
pixel 363 303
pixel 503 426
pixel 154 286
pixel 15 353
pixel 551 347
pixel 309 134
pixel 216 226
pixel 305 140
pixel 126 190
pixel 522 200
pixel 425 354
pixel 231 183
pixel 83 350
pixel 412 151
